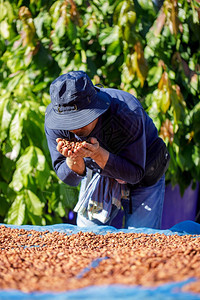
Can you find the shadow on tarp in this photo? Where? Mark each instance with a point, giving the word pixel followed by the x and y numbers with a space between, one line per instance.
pixel 166 291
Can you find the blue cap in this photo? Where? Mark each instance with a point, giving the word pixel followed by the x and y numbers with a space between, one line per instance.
pixel 75 102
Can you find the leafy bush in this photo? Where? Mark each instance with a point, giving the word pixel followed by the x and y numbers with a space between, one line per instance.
pixel 149 51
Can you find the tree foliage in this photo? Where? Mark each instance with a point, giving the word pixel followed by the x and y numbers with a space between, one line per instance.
pixel 149 51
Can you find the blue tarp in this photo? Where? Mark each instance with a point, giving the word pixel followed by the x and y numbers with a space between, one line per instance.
pixel 166 291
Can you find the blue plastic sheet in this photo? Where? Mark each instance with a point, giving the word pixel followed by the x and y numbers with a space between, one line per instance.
pixel 166 291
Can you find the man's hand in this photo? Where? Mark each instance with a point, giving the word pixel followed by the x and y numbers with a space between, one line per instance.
pixel 93 150
pixel 74 162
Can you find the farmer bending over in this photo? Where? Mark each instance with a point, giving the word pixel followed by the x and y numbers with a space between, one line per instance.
pixel 122 161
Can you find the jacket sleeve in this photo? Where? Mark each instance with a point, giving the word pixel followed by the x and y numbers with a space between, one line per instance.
pixel 58 160
pixel 128 163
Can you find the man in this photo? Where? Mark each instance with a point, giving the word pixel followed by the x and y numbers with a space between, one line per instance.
pixel 121 148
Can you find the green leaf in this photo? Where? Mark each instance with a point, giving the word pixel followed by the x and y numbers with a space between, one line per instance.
pixel 92 28
pixel 69 195
pixel 195 124
pixel 5 29
pixel 148 52
pixel 12 151
pixel 127 77
pixel 41 160
pixel 186 34
pixel 32 127
pixel 109 35
pixel 152 40
pixel 42 24
pixel 131 17
pixel 196 157
pixel 16 213
pixel 40 86
pixel 162 99
pixel 17 180
pixel 154 75
pixel 5 116
pixel 111 59
pixel 3 199
pixel 60 209
pixel 123 16
pixel 182 14
pixel 114 48
pixel 34 205
pixel 27 161
pixel 16 127
pixel 195 14
pixel 186 153
pixel 48 219
pixel 12 63
pixel 178 109
pixel 60 30
pixel 42 168
pixel 146 4
pixel 42 59
pixel 3 11
pixel 55 11
pixel 77 59
pixel 71 31
pixel 35 220
pixel 7 167
pixel 6 6
pixel 4 205
pixel 24 166
pixel 180 161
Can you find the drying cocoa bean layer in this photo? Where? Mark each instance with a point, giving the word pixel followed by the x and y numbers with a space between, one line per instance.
pixel 52 261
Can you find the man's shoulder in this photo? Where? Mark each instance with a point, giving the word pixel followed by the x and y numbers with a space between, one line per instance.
pixel 124 97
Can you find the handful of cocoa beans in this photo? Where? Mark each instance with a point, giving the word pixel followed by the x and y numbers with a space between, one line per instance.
pixel 72 144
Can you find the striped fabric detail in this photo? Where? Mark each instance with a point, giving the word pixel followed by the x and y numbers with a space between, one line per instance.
pixel 99 196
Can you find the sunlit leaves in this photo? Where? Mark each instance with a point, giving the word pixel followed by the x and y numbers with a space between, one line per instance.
pixel 186 33
pixel 195 121
pixel 25 203
pixel 109 35
pixel 167 95
pixel 28 33
pixel 5 116
pixel 162 98
pixel 31 163
pixel 16 127
pixel 16 213
pixel 5 29
pixel 195 10
pixel 43 24
pixel 178 103
pixel 125 17
pixel 6 18
pixel 146 4
pixel 154 75
pixel 66 19
pixel 141 67
pixel 135 65
pixel 33 203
